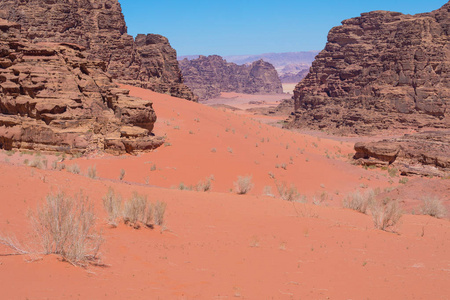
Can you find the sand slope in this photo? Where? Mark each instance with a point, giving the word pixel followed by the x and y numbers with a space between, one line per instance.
pixel 219 245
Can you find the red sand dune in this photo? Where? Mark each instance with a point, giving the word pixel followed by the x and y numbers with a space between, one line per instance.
pixel 219 245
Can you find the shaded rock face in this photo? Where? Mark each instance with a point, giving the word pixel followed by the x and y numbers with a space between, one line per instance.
pixel 426 153
pixel 382 70
pixel 100 27
pixel 53 98
pixel 209 76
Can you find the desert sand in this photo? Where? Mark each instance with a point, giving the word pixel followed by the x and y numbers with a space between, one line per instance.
pixel 220 245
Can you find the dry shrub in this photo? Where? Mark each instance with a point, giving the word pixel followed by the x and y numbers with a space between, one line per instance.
pixel 243 185
pixel 66 226
pixel 433 206
pixel 204 185
pixel 359 202
pixel 112 203
pixel 92 172
pixel 135 210
pixel 122 174
pixel 160 210
pixel 385 214
pixel 138 210
pixel 75 169
pixel 289 193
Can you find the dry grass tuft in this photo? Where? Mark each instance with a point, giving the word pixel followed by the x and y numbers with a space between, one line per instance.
pixel 385 214
pixel 243 185
pixel 66 226
pixel 204 185
pixel 289 193
pixel 112 203
pixel 433 206
pixel 75 169
pixel 138 210
pixel 92 172
pixel 359 202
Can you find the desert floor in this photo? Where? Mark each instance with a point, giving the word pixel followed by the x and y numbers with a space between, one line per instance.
pixel 220 245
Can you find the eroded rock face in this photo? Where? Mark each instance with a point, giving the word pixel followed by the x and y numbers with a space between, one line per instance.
pixel 209 76
pixel 426 153
pixel 53 98
pixel 100 27
pixel 382 70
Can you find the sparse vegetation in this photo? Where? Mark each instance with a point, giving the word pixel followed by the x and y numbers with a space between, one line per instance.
pixel 66 226
pixel 137 211
pixel 122 174
pixel 289 193
pixel 432 206
pixel 74 168
pixel 160 210
pixel 385 214
pixel 92 172
pixel 112 203
pixel 213 150
pixel 204 185
pixel 359 202
pixel 243 185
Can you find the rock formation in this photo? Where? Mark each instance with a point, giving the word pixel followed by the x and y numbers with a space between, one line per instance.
pixel 53 98
pixel 208 76
pixel 426 153
pixel 100 27
pixel 382 70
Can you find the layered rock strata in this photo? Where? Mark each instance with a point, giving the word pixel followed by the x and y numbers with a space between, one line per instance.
pixel 99 26
pixel 380 71
pixel 426 153
pixel 53 98
pixel 208 76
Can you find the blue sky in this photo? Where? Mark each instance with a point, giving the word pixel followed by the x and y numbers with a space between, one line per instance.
pixel 251 27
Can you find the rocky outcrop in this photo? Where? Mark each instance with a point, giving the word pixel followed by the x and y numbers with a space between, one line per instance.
pixel 53 98
pixel 294 77
pixel 100 27
pixel 382 70
pixel 209 76
pixel 426 153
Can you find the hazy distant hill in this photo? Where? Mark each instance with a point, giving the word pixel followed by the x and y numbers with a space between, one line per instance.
pixel 291 66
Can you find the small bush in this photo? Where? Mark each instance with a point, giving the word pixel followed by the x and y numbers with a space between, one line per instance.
pixel 75 169
pixel 66 226
pixel 112 203
pixel 204 185
pixel 38 163
pixel 433 206
pixel 243 185
pixel 135 211
pixel 122 174
pixel 289 193
pixel 159 212
pixel 92 172
pixel 385 214
pixel 359 202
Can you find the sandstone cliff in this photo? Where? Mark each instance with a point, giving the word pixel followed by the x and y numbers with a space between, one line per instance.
pixel 208 76
pixel 425 153
pixel 53 98
pixel 382 70
pixel 150 62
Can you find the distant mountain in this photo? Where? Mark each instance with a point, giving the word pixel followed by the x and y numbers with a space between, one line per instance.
pixel 289 65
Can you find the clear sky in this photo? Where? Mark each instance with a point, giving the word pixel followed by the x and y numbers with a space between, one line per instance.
pixel 252 26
